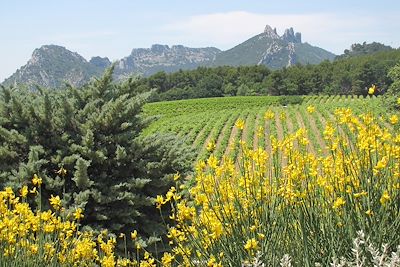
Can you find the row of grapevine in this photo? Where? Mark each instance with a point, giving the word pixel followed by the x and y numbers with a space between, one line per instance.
pixel 208 126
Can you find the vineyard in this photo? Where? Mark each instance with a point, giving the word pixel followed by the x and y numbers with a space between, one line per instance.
pixel 278 180
pixel 208 124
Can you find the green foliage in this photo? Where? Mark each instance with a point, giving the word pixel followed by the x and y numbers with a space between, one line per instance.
pixel 391 99
pixel 394 74
pixel 363 49
pixel 290 100
pixel 94 133
pixel 352 75
pixel 205 82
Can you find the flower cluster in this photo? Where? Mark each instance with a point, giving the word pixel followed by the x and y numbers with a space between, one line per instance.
pixel 289 200
pixel 52 238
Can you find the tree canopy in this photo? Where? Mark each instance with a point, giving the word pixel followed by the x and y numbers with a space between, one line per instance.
pixel 346 75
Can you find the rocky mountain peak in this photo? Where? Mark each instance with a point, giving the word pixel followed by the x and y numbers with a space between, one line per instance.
pixel 52 66
pixel 50 51
pixel 101 62
pixel 291 37
pixel 158 48
pixel 269 32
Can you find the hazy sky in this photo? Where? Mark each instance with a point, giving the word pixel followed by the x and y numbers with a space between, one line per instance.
pixel 113 28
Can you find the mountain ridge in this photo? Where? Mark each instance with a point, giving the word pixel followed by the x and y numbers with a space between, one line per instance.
pixel 54 65
pixel 147 61
pixel 274 51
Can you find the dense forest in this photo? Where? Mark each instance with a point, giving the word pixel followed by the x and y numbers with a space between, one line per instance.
pixel 348 74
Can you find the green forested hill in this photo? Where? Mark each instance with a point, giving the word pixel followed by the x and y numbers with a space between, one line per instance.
pixel 351 75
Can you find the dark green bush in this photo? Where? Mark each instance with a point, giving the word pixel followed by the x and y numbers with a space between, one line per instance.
pixel 94 133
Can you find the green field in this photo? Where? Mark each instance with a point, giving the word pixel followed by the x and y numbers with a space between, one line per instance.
pixel 201 121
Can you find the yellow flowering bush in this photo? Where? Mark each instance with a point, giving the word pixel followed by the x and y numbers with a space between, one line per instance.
pixel 289 201
pixel 264 206
pixel 51 238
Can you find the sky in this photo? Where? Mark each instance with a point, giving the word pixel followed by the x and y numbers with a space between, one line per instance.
pixel 112 28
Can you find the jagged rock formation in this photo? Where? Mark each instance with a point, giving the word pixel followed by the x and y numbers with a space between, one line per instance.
pixel 274 51
pixel 147 61
pixel 290 37
pixel 271 33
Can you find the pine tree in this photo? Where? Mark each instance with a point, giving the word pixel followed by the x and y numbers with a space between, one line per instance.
pixel 93 133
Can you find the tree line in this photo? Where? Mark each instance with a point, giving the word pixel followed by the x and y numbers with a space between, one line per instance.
pixel 346 75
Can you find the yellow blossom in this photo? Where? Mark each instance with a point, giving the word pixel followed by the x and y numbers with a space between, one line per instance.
pixel 160 201
pixel 269 115
pixel 9 192
pixel 240 124
pixel 24 191
pixel 167 259
pixel 385 198
pixel 170 194
pixel 134 235
pixel 369 212
pixel 33 191
pixel 261 236
pixel 78 214
pixel 212 162
pixel 211 146
pixel 34 249
pixel 260 131
pixel 372 89
pixel 329 132
pixel 55 201
pixel 394 119
pixel 282 116
pixel 360 194
pixel 310 109
pixel 36 180
pixel 177 176
pixel 108 261
pixel 251 244
pixel 212 262
pixel 339 202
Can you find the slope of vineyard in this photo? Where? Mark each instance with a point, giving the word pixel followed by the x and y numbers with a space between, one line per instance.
pixel 208 122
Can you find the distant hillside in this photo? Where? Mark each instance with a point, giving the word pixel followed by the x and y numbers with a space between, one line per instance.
pixel 51 66
pixel 364 49
pixel 274 51
pixel 352 75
